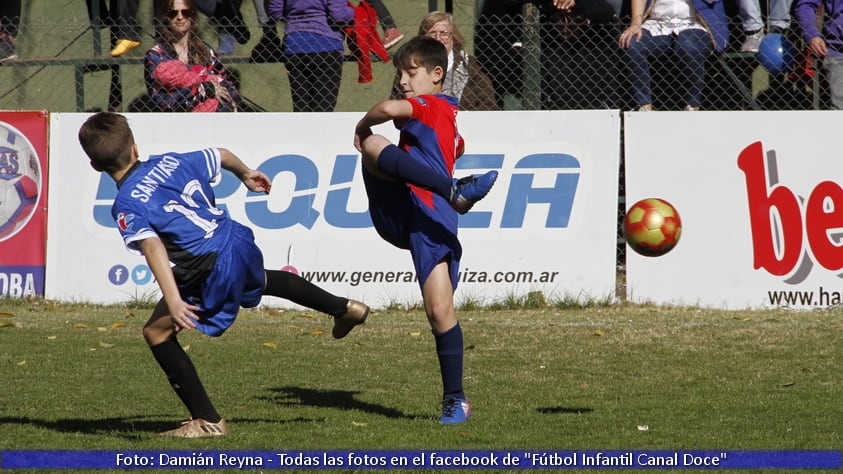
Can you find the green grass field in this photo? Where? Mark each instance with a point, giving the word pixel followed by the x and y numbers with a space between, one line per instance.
pixel 79 376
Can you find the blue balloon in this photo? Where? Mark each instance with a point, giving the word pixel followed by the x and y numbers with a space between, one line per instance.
pixel 777 54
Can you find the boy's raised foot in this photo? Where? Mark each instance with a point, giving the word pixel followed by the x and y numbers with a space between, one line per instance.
pixel 356 313
pixel 467 191
pixel 454 411
pixel 199 428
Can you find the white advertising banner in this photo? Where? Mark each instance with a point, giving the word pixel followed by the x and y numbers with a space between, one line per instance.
pixel 760 198
pixel 548 224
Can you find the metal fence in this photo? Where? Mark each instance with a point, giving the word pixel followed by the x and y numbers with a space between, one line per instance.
pixel 532 62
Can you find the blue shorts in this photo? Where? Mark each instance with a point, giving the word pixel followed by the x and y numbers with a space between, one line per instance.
pixel 399 219
pixel 238 280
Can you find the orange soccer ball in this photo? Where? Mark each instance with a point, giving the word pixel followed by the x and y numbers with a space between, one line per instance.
pixel 652 227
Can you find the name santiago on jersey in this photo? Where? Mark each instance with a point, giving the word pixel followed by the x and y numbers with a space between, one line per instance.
pixel 154 192
pixel 170 197
pixel 154 177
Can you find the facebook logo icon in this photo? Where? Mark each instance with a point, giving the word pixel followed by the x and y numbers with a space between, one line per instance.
pixel 118 275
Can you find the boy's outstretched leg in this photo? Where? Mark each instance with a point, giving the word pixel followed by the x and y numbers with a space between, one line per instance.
pixel 347 313
pixel 381 157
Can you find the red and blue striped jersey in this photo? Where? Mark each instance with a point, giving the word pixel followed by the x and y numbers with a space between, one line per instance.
pixel 431 136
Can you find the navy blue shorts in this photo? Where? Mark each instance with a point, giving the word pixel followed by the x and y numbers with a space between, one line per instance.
pixel 238 280
pixel 399 219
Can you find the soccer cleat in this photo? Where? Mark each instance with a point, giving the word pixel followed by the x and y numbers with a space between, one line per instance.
pixel 752 42
pixel 123 46
pixel 454 411
pixel 355 313
pixel 467 191
pixel 391 37
pixel 199 428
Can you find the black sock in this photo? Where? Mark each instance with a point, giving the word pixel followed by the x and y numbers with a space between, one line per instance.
pixel 399 164
pixel 300 291
pixel 185 381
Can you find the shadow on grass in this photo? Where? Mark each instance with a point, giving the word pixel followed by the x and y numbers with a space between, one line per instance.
pixel 342 399
pixel 129 428
pixel 132 428
pixel 564 410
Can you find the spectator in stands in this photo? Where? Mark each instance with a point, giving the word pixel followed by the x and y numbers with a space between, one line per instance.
pixel 687 29
pixel 230 26
pixel 391 34
pixel 182 72
pixel 226 18
pixel 122 17
pixel 753 26
pixel 313 48
pixel 9 24
pixel 826 45
pixel 268 48
pixel 496 34
pixel 579 61
pixel 465 78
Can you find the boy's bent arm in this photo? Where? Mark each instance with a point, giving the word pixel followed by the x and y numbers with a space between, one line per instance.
pixel 159 262
pixel 383 111
pixel 254 180
pixel 386 110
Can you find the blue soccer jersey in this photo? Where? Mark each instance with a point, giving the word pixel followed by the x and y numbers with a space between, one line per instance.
pixel 170 196
pixel 214 259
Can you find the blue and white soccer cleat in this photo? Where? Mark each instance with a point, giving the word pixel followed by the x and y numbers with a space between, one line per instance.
pixel 467 191
pixel 454 411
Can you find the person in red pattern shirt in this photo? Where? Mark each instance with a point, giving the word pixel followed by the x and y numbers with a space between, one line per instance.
pixel 182 73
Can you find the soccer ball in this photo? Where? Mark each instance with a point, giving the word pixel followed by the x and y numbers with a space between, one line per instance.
pixel 20 181
pixel 652 227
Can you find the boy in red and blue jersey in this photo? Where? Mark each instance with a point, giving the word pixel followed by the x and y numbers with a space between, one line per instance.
pixel 414 199
pixel 207 265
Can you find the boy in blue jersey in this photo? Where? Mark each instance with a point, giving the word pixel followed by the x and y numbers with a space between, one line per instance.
pixel 206 264
pixel 414 199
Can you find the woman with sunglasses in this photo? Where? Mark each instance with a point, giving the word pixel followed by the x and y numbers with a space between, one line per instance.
pixel 182 72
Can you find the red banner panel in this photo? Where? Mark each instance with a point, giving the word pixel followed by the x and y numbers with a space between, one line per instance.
pixel 23 202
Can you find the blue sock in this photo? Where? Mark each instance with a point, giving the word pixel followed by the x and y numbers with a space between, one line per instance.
pixel 399 164
pixel 449 349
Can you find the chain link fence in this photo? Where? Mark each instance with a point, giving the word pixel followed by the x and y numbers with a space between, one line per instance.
pixel 533 62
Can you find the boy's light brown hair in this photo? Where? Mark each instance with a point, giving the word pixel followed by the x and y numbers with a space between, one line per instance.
pixel 108 141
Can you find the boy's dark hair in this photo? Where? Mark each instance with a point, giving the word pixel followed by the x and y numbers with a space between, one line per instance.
pixel 107 140
pixel 424 52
